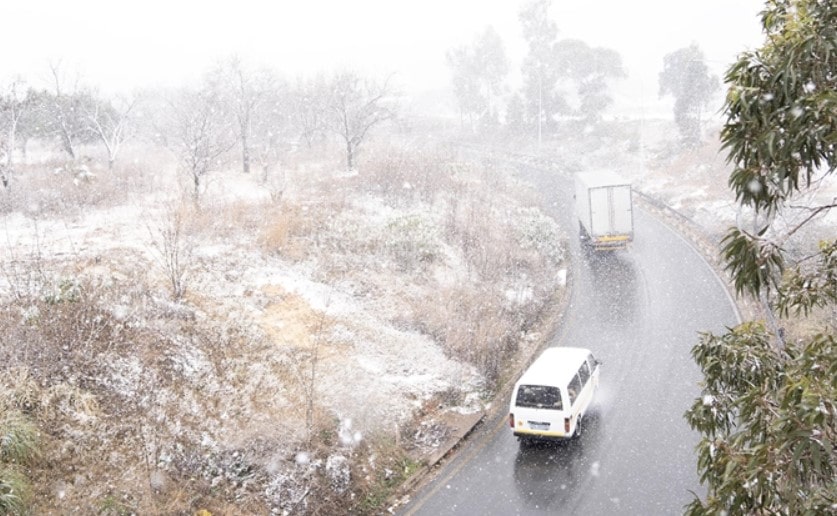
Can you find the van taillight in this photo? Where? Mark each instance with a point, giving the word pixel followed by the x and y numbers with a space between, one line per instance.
pixel 511 420
pixel 566 425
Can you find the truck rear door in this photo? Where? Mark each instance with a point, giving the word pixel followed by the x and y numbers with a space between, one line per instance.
pixel 621 217
pixel 599 212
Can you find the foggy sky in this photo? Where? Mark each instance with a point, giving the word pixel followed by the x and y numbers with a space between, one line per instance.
pixel 120 46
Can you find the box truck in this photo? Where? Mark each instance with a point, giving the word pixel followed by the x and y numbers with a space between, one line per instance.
pixel 604 208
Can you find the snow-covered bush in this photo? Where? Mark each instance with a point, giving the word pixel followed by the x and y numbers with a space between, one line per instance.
pixel 338 472
pixel 539 233
pixel 412 240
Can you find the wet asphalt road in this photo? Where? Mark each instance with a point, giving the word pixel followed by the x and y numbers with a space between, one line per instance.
pixel 640 312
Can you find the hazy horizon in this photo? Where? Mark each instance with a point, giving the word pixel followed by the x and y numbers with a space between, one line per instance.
pixel 118 48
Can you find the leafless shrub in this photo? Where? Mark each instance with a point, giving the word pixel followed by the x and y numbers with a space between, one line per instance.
pixel 173 248
pixel 24 270
pixel 60 188
pixel 229 220
pixel 472 325
pixel 49 333
pixel 404 177
pixel 294 230
pixel 19 390
pixel 68 400
pixel 276 182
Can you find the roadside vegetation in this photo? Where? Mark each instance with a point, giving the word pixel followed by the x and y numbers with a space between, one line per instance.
pixel 255 352
pixel 767 416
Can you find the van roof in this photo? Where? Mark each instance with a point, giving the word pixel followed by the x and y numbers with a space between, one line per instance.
pixel 556 365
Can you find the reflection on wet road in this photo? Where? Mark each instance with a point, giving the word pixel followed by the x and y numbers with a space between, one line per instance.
pixel 640 312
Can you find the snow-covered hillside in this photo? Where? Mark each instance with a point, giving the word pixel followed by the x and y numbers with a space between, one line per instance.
pixel 323 326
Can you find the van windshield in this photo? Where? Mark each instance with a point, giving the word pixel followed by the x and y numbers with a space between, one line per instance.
pixel 539 396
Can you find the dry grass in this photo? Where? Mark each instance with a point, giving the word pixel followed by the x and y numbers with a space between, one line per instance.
pixel 819 320
pixel 154 406
pixel 15 491
pixel 284 229
pixel 65 188
pixel 72 389
pixel 19 443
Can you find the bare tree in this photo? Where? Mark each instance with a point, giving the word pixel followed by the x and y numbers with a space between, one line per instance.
pixel 198 133
pixel 309 108
pixel 69 104
pixel 258 103
pixel 356 106
pixel 274 135
pixel 112 124
pixel 243 91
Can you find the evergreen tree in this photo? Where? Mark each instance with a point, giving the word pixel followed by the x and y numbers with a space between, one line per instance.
pixel 768 412
pixel 686 77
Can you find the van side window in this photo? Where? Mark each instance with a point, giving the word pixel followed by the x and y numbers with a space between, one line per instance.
pixel 574 389
pixel 591 362
pixel 584 373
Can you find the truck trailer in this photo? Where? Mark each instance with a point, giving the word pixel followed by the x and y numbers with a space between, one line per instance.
pixel 604 207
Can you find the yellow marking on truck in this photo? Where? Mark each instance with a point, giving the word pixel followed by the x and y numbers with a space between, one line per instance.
pixel 613 238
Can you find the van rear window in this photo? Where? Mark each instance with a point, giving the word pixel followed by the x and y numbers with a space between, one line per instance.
pixel 539 396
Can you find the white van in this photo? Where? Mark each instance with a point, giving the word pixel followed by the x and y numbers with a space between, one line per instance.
pixel 550 399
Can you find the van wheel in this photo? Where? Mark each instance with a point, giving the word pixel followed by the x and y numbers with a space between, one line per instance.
pixel 578 428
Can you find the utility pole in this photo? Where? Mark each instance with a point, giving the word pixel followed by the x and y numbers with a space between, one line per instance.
pixel 540 105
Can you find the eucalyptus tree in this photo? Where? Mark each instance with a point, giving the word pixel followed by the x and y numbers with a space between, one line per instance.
pixel 516 114
pixel 686 77
pixel 479 72
pixel 36 120
pixel 589 69
pixel 768 412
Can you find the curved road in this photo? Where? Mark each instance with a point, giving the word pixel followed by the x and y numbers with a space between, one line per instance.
pixel 640 312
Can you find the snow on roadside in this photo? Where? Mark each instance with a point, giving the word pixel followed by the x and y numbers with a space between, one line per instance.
pixel 372 372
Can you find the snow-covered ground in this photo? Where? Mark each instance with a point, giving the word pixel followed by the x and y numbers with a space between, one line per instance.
pixel 335 310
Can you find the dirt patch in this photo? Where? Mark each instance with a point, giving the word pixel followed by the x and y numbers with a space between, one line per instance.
pixel 288 320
